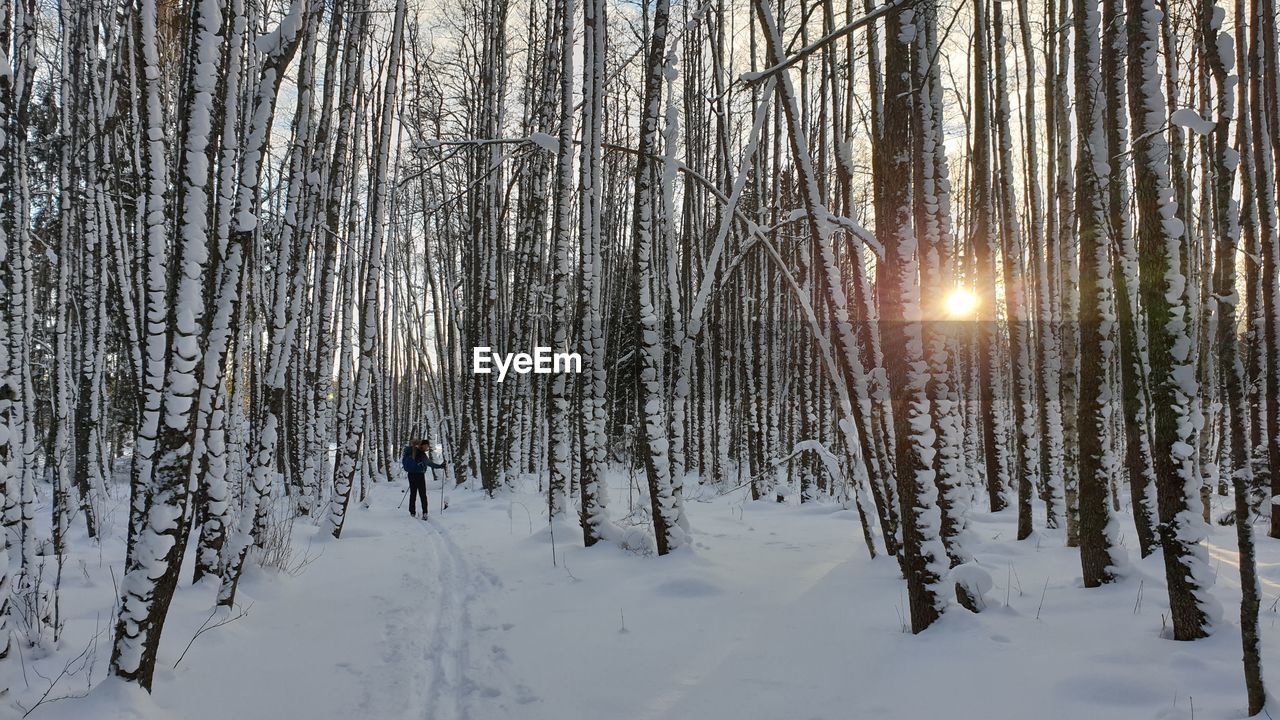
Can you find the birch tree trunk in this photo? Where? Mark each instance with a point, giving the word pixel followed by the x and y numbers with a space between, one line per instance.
pixel 1226 226
pixel 1026 446
pixel 666 521
pixel 1134 369
pixel 560 466
pixel 9 394
pixel 279 48
pixel 158 525
pixel 1097 310
pixel 924 558
pixel 982 233
pixel 1162 257
pixel 349 450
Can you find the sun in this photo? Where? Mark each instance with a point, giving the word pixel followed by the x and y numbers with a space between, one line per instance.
pixel 960 303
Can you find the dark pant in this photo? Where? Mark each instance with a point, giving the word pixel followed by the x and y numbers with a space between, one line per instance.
pixel 417 489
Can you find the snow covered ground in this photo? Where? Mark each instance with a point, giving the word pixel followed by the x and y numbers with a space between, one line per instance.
pixel 775 612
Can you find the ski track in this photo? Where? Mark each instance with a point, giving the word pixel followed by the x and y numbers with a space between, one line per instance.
pixel 431 669
pixel 426 631
pixel 405 613
pixel 1231 557
pixel 449 686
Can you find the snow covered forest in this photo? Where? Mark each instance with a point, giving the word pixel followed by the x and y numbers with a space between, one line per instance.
pixel 936 290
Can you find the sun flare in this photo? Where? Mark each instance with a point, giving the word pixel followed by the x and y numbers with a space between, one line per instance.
pixel 961 303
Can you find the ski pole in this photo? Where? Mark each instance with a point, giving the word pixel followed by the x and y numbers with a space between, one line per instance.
pixel 402 497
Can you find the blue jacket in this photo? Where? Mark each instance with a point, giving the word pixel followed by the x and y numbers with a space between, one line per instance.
pixel 416 463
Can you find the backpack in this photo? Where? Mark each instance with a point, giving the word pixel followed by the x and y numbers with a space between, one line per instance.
pixel 407 461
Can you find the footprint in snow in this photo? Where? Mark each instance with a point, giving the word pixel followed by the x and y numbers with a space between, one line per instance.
pixel 688 587
pixel 524 695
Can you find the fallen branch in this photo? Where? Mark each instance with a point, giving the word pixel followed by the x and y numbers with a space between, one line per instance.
pixel 206 627
pixel 83 660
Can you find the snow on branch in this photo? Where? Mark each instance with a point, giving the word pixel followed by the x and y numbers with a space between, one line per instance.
pixel 816 45
pixel 1190 119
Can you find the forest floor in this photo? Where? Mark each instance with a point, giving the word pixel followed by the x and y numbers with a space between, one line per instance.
pixel 774 612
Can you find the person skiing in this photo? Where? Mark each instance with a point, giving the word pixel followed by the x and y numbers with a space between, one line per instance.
pixel 416 461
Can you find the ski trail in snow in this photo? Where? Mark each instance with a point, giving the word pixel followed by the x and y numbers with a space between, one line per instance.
pixel 396 688
pixel 448 687
pixel 428 668
pixel 467 685
pixel 426 630
pixel 1231 556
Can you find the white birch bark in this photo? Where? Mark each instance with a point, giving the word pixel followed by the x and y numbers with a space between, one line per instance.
pixel 158 523
pixel 348 452
pixel 1162 251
